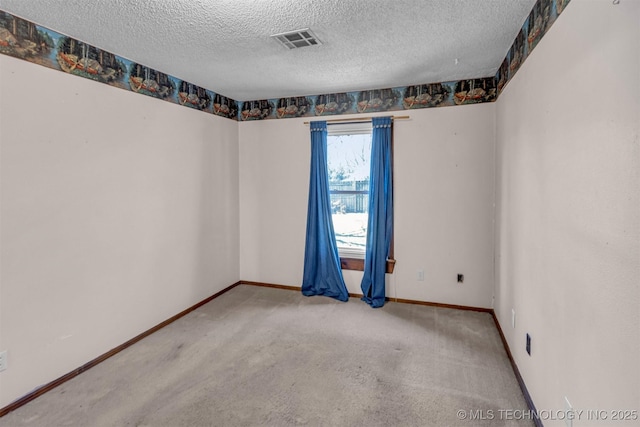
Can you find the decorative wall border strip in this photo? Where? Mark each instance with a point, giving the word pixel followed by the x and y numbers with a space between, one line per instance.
pixel 23 39
pixel 462 92
pixel 26 40
pixel 542 16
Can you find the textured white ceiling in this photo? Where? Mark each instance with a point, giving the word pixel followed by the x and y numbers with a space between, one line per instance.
pixel 224 45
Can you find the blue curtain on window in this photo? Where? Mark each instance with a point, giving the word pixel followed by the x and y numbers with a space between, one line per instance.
pixel 380 224
pixel 322 272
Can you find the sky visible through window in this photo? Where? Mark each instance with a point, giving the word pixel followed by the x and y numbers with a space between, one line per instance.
pixel 348 161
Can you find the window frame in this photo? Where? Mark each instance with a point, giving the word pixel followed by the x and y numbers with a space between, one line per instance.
pixel 351 128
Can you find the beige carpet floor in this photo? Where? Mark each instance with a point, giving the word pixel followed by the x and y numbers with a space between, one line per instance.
pixel 260 356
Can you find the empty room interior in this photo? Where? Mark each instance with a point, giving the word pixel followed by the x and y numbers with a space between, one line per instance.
pixel 156 154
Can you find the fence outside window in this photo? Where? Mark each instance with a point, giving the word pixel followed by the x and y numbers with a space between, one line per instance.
pixel 349 196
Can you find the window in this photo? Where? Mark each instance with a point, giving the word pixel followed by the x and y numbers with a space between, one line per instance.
pixel 348 158
pixel 348 163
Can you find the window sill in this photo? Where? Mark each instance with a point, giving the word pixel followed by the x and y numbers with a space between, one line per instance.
pixel 358 264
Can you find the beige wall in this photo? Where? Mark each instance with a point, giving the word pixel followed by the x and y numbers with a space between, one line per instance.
pixel 444 178
pixel 567 245
pixel 118 211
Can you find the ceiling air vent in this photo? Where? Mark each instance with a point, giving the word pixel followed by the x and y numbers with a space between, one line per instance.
pixel 297 38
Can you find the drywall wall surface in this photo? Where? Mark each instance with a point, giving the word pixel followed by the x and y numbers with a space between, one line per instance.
pixel 568 213
pixel 118 211
pixel 444 178
pixel 274 184
pixel 443 183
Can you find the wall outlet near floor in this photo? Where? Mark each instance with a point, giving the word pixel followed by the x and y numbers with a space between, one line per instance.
pixel 529 344
pixel 513 318
pixel 3 360
pixel 569 415
pixel 420 275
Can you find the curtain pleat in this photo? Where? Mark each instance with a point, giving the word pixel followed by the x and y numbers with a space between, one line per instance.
pixel 322 273
pixel 380 221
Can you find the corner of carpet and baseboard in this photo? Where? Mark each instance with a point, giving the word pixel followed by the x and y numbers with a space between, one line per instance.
pixel 61 380
pixel 66 377
pixel 523 387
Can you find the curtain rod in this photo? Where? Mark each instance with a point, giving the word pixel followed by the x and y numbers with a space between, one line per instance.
pixel 362 119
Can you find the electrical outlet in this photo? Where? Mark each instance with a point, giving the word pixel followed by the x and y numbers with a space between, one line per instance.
pixel 569 415
pixel 529 344
pixel 420 276
pixel 3 360
pixel 513 318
